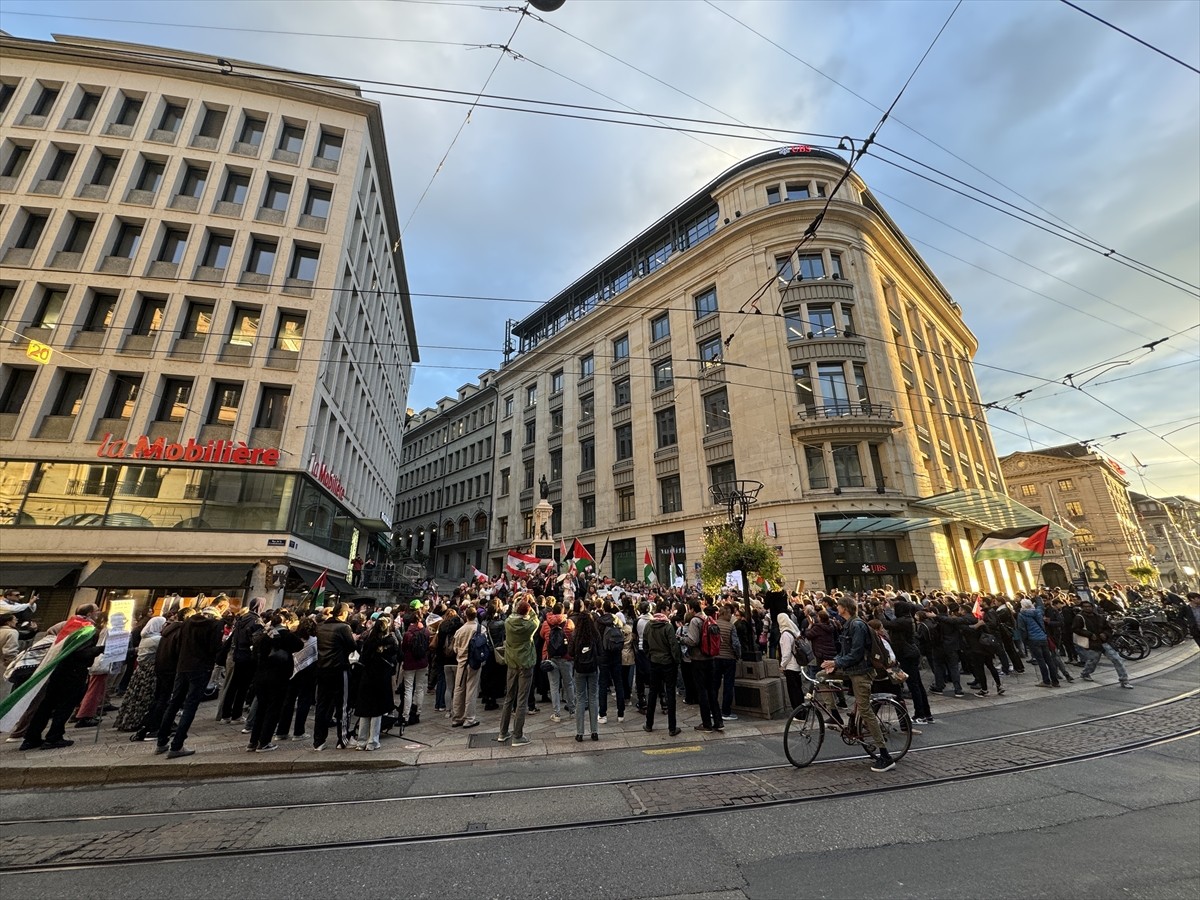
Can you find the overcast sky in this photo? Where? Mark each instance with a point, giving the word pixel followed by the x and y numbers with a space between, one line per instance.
pixel 1062 112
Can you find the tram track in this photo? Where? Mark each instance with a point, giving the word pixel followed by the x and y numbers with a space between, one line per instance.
pixel 628 801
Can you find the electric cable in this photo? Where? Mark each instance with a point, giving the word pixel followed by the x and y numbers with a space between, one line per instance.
pixel 1133 37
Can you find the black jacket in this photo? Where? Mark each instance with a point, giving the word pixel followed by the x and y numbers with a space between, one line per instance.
pixel 335 643
pixel 199 640
pixel 245 627
pixel 166 658
pixel 902 634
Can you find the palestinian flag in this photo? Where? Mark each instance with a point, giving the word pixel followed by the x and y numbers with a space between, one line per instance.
pixel 76 633
pixel 648 574
pixel 319 589
pixel 521 564
pixel 1016 544
pixel 579 552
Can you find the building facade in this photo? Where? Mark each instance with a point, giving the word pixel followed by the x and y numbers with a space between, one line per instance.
pixel 206 337
pixel 444 502
pixel 1087 493
pixel 717 347
pixel 1172 529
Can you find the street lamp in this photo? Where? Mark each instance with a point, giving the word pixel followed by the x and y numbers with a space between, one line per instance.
pixel 737 497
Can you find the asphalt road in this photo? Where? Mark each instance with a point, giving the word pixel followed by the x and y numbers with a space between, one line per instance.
pixel 1124 826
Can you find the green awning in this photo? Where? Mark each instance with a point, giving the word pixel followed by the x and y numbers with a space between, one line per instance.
pixel 989 510
pixel 874 525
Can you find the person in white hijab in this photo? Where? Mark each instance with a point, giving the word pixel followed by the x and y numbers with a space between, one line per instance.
pixel 792 657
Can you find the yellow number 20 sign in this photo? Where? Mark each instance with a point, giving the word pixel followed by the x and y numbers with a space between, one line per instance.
pixel 39 352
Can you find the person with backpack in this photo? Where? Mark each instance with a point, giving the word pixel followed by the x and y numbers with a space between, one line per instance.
pixel 466 676
pixel 273 665
pixel 664 657
pixel 556 634
pixel 725 665
pixel 443 657
pixel 703 640
pixel 612 641
pixel 585 648
pixel 246 626
pixel 519 656
pixel 854 663
pixel 415 650
pixel 794 653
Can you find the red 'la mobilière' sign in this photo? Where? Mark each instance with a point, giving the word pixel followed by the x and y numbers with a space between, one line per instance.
pixel 230 452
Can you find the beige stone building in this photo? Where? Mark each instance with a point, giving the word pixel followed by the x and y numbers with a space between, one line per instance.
pixel 212 264
pixel 715 347
pixel 1088 493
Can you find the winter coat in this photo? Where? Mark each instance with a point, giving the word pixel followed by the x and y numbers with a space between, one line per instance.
pixel 378 662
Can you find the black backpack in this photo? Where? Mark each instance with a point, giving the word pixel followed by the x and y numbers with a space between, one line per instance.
pixel 614 638
pixel 418 644
pixel 479 648
pixel 585 658
pixel 557 643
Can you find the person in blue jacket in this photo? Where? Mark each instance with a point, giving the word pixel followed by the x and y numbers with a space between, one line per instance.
pixel 1031 626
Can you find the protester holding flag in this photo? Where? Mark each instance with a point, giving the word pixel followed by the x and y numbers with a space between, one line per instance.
pixel 648 574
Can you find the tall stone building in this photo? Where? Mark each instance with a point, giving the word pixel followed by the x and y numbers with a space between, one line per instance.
pixel 207 335
pixel 717 347
pixel 1172 529
pixel 1087 492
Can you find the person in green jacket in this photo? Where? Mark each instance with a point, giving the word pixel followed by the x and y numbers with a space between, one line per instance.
pixel 520 658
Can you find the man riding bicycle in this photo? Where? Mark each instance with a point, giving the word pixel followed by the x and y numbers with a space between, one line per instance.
pixel 852 662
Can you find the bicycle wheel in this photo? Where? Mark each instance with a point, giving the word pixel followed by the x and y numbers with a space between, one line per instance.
pixel 896 726
pixel 803 735
pixel 1130 646
pixel 1152 636
pixel 1172 634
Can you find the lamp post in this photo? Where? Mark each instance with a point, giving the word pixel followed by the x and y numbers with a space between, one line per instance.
pixel 738 497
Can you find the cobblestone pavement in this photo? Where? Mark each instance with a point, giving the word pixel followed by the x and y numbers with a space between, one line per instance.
pixel 204 832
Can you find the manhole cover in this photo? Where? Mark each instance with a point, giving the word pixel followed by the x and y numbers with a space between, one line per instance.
pixel 480 740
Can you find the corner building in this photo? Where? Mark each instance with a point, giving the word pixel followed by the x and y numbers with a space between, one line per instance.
pixel 207 254
pixel 845 387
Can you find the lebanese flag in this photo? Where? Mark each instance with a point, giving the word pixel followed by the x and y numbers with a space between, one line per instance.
pixel 521 564
pixel 579 552
pixel 476 575
pixel 977 609
pixel 1016 544
pixel 648 574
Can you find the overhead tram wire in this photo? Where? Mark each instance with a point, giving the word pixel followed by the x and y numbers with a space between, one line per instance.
pixel 1133 37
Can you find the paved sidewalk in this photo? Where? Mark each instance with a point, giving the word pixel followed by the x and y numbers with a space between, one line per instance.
pixel 105 756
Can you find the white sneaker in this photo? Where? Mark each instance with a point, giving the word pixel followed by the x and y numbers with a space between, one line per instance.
pixel 620 718
pixel 603 720
pixel 556 718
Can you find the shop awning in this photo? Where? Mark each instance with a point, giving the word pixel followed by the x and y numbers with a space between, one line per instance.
pixel 990 510
pixel 375 525
pixel 35 574
pixel 873 525
pixel 204 576
pixel 308 575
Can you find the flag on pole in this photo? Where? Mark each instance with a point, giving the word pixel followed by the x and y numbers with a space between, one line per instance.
pixel 977 609
pixel 319 589
pixel 1137 462
pixel 1016 544
pixel 521 563
pixel 671 564
pixel 476 575
pixel 603 553
pixel 579 552
pixel 73 635
pixel 648 574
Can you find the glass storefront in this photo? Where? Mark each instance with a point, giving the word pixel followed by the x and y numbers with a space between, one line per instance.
pixel 864 564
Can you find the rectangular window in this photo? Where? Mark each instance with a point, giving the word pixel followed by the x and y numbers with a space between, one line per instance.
pixel 810 265
pixel 1029 490
pixel 556 465
pixel 821 323
pixel 860 386
pixel 173 245
pixel 508 406
pixel 505 481
pixel 129 238
pixel 773 195
pixel 106 170
pixel 85 110
pixel 277 195
pixel 531 433
pixel 194 180
pixel 61 167
pixel 587 454
pixel 318 202
pixel 226 398
pixel 716 411
pixel 100 313
pixel 587 408
pixel 261 259
pixel 797 192
pixel 175 396
pixel 123 397
pixel 814 460
pixel 835 267
pixel 16 391
pixel 528 476
pixel 556 382
pixel 804 388
pixel 621 348
pixel 151 177
pixel 721 474
pixel 506 442
pixel 304 264
pixel 1066 484
pixel 50 310
pixel 710 352
pixel 198 322
pixel 664 375
pixel 31 231
pixel 14 163
pixel 290 335
pixel 530 396
pixel 847 467
pixel 291 138
pixel 626 507
pixel 1074 508
pixel 150 316
pixel 660 327
pixel 503 529
pixel 244 331
pixel 237 186
pixel 623 438
pixel 670 493
pixel 587 512
pixel 131 108
pixel 329 147
pixel 273 407
pixel 70 394
pixel 252 131
pixel 621 393
pixel 45 101
pixel 664 427
pixel 7 89
pixel 212 123
pixel 556 421
pixel 80 235
pixel 706 303
pixel 783 268
pixel 172 117
pixel 216 254
pixel 835 393
pixel 587 366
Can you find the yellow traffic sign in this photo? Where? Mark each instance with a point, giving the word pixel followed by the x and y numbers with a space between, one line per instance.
pixel 40 353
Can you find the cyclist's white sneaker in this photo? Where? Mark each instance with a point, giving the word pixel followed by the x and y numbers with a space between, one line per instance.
pixel 883 765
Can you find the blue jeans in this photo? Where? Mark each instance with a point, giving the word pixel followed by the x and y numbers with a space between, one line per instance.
pixel 1040 651
pixel 186 695
pixel 1091 659
pixel 562 684
pixel 587 693
pixel 724 671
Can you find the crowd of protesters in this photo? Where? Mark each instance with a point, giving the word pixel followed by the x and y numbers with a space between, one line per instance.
pixel 582 647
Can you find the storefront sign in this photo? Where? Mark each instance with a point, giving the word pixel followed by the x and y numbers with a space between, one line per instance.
pixel 235 452
pixel 872 568
pixel 328 480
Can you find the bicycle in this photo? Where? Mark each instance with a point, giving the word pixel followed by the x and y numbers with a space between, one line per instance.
pixel 805 729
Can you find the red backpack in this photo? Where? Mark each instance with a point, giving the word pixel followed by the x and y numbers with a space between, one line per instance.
pixel 710 637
